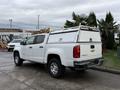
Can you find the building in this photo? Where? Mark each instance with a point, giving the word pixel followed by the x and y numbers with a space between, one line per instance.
pixel 7 34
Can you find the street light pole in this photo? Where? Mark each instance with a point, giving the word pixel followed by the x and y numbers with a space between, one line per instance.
pixel 119 33
pixel 10 20
pixel 38 21
pixel 119 37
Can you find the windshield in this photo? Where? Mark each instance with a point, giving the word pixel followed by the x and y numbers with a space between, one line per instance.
pixel 16 41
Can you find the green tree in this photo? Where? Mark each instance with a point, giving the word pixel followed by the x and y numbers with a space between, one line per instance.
pixel 111 24
pixel 107 28
pixel 103 30
pixel 77 19
pixel 68 24
pixel 92 21
pixel 83 19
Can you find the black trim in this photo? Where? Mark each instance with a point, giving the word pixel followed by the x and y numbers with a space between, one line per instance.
pixel 63 32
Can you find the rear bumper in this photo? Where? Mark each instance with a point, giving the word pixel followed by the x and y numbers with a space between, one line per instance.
pixel 88 63
pixel 11 48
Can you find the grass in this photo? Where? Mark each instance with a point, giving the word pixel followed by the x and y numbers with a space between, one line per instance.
pixel 111 60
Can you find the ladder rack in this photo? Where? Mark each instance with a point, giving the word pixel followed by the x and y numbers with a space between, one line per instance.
pixel 83 27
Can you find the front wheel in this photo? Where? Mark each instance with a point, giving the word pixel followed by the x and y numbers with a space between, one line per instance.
pixel 9 49
pixel 17 60
pixel 55 68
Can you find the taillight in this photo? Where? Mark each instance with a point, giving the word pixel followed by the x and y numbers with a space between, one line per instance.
pixel 76 51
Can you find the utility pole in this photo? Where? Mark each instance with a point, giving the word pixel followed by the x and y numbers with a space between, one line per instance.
pixel 119 37
pixel 38 21
pixel 119 33
pixel 10 20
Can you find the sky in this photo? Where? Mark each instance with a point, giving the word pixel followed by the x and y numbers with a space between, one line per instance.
pixel 54 12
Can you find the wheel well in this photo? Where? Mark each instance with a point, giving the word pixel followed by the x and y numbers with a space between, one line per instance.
pixel 50 56
pixel 15 52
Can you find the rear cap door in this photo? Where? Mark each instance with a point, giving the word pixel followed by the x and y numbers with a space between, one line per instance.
pixel 90 44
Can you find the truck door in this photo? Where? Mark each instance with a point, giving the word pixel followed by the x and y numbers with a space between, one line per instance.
pixel 38 48
pixel 27 49
pixel 90 44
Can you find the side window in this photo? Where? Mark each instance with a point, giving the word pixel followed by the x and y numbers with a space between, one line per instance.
pixel 39 39
pixel 30 40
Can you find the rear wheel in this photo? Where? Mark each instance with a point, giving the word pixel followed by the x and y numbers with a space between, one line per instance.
pixel 55 68
pixel 17 60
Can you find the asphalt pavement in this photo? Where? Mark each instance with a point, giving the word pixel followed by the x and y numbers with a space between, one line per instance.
pixel 33 76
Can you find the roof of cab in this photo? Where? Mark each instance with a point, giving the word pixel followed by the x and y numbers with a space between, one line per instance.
pixel 40 34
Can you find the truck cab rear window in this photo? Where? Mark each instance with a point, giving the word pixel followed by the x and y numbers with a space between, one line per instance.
pixel 39 39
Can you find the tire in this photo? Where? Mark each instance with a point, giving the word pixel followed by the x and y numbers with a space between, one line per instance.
pixel 17 60
pixel 9 49
pixel 55 68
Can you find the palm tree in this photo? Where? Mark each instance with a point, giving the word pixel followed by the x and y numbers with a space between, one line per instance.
pixel 107 28
pixel 69 24
pixel 83 19
pixel 92 21
pixel 77 19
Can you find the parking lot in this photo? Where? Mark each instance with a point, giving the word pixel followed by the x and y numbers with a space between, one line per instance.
pixel 32 76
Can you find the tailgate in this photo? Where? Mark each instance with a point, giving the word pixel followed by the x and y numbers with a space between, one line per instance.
pixel 90 45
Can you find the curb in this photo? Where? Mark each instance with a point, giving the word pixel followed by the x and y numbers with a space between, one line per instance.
pixel 3 50
pixel 103 69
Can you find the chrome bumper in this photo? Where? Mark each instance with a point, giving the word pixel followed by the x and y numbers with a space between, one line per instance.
pixel 88 63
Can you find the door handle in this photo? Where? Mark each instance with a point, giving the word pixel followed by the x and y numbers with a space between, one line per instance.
pixel 92 46
pixel 30 47
pixel 41 47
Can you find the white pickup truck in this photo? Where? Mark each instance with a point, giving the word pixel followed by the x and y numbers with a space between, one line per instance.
pixel 77 48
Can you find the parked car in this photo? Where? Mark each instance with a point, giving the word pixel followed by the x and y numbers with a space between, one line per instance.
pixel 77 48
pixel 13 43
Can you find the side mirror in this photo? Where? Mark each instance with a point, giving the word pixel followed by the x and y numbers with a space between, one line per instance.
pixel 23 43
